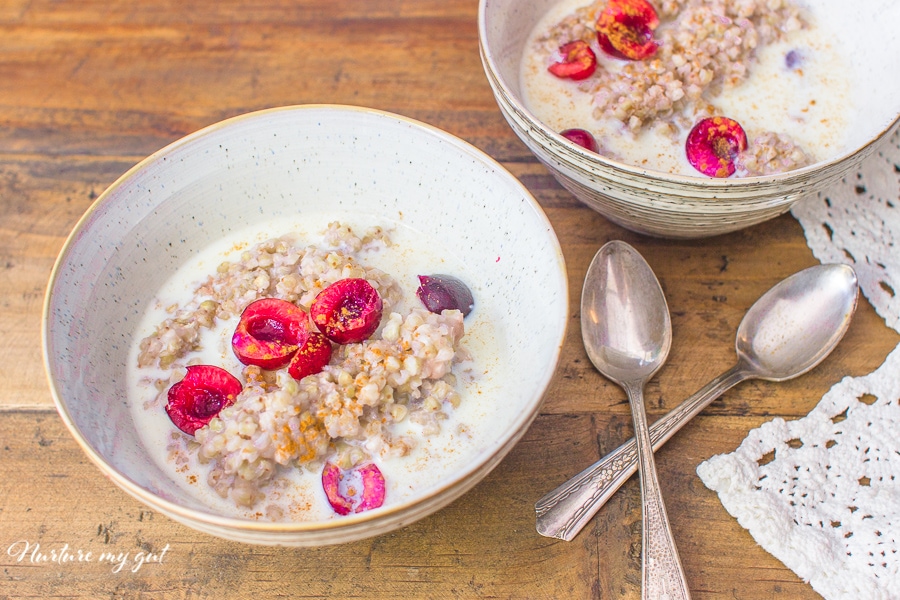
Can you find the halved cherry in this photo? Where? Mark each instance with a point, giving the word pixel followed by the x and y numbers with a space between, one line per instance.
pixel 269 333
pixel 347 311
pixel 342 488
pixel 445 292
pixel 577 62
pixel 311 357
pixel 625 29
pixel 373 488
pixel 581 137
pixel 200 396
pixel 713 144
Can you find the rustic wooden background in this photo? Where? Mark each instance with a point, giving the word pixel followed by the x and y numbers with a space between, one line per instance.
pixel 90 87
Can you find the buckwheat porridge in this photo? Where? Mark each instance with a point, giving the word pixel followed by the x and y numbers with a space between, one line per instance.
pixel 377 420
pixel 766 66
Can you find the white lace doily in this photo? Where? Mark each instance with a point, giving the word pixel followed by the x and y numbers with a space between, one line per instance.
pixel 858 223
pixel 822 493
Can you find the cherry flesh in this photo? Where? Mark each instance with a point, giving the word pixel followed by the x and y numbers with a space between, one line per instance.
pixel 269 332
pixel 713 144
pixel 200 396
pixel 625 29
pixel 577 61
pixel 348 311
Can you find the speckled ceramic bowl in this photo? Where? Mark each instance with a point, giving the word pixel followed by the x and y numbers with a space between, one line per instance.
pixel 283 163
pixel 665 205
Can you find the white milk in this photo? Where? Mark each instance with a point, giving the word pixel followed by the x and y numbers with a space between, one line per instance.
pixel 300 493
pixel 810 105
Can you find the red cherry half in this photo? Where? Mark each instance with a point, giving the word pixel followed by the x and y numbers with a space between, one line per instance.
pixel 713 144
pixel 625 29
pixel 311 357
pixel 577 62
pixel 200 396
pixel 348 311
pixel 581 137
pixel 342 488
pixel 269 333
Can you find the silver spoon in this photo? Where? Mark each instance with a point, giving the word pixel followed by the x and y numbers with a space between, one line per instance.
pixel 787 332
pixel 627 333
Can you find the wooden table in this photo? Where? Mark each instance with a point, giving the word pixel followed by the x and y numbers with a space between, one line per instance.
pixel 90 87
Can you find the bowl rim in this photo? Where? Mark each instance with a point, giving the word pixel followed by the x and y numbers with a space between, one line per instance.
pixel 488 457
pixel 788 177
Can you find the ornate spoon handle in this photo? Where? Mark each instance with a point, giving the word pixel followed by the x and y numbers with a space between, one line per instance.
pixel 563 512
pixel 661 571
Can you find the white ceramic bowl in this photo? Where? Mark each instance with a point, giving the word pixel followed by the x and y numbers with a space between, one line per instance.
pixel 665 205
pixel 285 162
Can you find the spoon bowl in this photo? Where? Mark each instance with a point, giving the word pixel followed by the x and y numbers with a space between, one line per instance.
pixel 787 332
pixel 625 321
pixel 796 324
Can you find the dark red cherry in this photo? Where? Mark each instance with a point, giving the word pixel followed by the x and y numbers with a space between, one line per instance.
pixel 581 137
pixel 445 292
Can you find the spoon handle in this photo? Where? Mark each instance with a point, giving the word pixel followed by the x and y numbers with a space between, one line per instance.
pixel 563 512
pixel 661 571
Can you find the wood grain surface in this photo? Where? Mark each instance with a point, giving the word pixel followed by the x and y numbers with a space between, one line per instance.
pixel 88 88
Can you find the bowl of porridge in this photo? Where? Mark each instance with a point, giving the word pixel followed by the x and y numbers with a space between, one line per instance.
pixel 692 118
pixel 306 325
